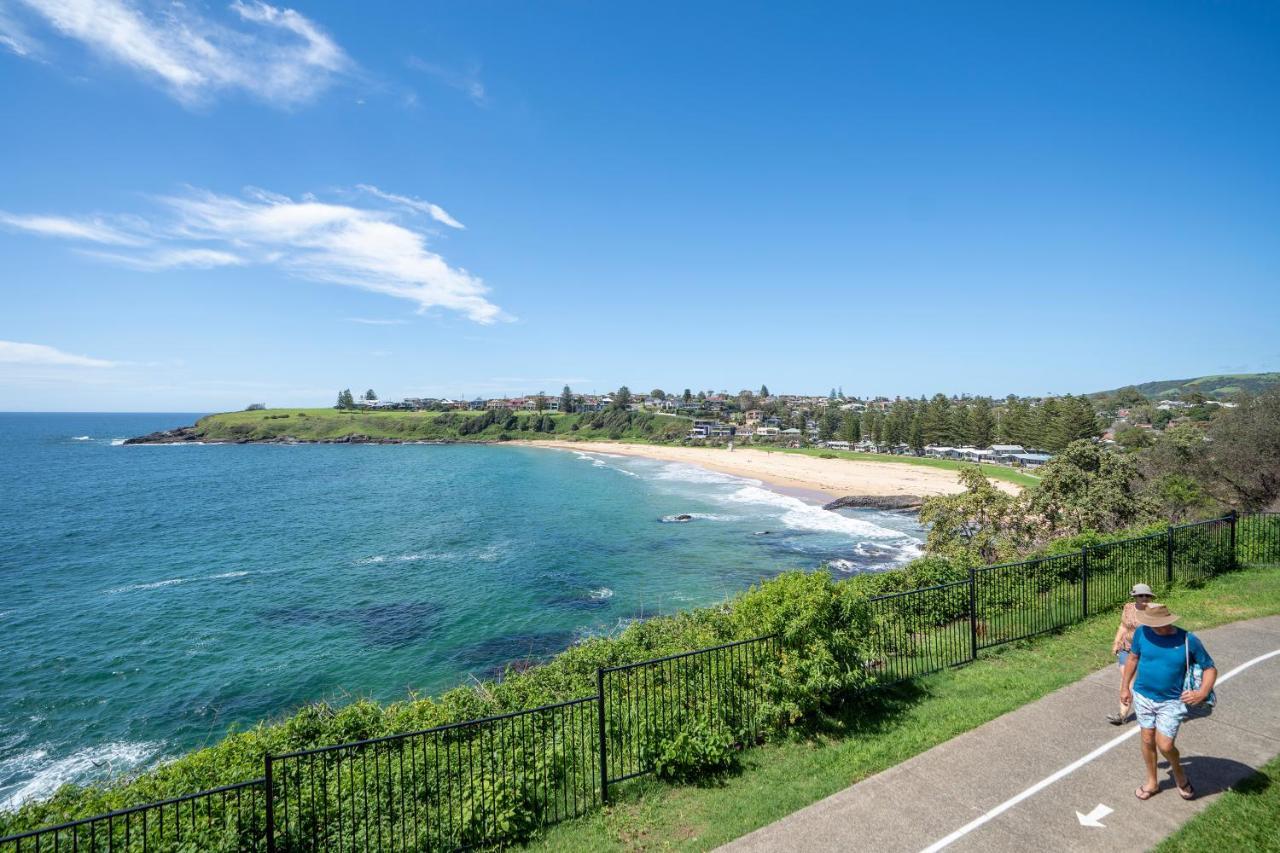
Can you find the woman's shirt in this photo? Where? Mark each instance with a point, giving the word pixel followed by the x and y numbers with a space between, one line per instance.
pixel 1129 622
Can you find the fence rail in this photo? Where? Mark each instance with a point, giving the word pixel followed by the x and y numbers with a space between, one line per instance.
pixel 492 780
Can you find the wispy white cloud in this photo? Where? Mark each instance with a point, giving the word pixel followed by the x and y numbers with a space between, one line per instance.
pixel 93 230
pixel 39 355
pixel 467 82
pixel 375 322
pixel 435 211
pixel 316 240
pixel 168 259
pixel 15 38
pixel 275 54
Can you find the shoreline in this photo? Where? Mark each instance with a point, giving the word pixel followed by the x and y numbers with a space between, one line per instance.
pixel 822 479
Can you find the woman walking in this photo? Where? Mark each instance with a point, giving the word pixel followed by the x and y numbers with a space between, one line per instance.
pixel 1160 657
pixel 1142 596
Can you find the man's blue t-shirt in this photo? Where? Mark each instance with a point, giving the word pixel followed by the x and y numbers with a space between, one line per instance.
pixel 1162 663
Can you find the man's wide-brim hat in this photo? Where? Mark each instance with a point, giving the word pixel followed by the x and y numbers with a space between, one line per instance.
pixel 1157 616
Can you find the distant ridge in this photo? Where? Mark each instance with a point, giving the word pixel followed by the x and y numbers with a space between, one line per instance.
pixel 1213 387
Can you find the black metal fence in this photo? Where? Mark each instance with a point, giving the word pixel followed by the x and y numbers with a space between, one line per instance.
pixel 646 706
pixel 228 818
pixel 496 779
pixel 444 788
pixel 923 630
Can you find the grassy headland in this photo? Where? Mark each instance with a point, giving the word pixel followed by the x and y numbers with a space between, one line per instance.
pixel 331 425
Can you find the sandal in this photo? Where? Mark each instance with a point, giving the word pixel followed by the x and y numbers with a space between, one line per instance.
pixel 1115 719
pixel 1143 794
pixel 1186 791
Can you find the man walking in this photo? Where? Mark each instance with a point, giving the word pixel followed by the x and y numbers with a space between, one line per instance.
pixel 1159 658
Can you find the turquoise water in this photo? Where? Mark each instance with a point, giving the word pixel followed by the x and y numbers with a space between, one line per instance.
pixel 152 596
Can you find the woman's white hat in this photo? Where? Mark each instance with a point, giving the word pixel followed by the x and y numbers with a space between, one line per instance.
pixel 1141 589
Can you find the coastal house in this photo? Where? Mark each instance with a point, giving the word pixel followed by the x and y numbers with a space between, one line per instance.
pixel 837 445
pixel 753 416
pixel 767 432
pixel 1031 460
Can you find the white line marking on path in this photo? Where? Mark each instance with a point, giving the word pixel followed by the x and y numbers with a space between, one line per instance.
pixel 1065 771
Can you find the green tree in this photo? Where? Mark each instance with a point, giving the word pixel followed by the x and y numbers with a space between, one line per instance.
pixel 658 394
pixel 937 421
pixel 622 398
pixel 1132 438
pixel 1074 419
pixel 982 425
pixel 850 428
pixel 764 391
pixel 345 400
pixel 1240 463
pixel 540 401
pixel 1014 423
pixel 566 400
pixel 981 525
pixel 687 397
pixel 1088 487
pixel 370 395
pixel 916 439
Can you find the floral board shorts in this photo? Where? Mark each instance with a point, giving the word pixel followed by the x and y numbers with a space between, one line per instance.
pixel 1165 717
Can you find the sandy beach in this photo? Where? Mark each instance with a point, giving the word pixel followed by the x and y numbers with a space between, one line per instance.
pixel 834 477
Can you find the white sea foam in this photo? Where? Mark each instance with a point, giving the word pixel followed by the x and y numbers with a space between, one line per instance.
pixel 602 593
pixel 44 774
pixel 677 472
pixel 116 442
pixel 229 575
pixel 846 566
pixel 143 586
pixel 798 515
pixel 705 516
pixel 81 438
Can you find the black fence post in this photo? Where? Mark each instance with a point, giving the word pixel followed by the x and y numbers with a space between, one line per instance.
pixel 1084 582
pixel 973 614
pixel 1235 562
pixel 271 807
pixel 604 756
pixel 1168 556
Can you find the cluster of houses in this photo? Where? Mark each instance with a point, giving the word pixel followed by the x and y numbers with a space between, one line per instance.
pixel 705 403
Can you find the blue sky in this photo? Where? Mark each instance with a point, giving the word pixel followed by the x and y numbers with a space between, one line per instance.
pixel 204 205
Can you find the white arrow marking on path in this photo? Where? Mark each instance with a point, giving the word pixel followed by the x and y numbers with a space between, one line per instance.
pixel 1094 818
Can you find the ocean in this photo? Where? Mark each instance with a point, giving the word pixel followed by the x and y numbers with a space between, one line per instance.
pixel 153 596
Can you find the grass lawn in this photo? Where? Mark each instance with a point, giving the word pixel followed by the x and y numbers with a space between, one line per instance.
pixel 995 472
pixel 884 729
pixel 1245 818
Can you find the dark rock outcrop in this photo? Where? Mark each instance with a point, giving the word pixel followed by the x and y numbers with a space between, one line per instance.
pixel 888 502
pixel 167 436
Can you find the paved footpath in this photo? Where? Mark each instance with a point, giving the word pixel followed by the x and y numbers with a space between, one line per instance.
pixel 1025 780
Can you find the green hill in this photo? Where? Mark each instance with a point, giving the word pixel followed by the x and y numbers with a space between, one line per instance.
pixel 1214 387
pixel 330 425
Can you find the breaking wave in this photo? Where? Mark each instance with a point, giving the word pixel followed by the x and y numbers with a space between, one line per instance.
pixel 43 774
